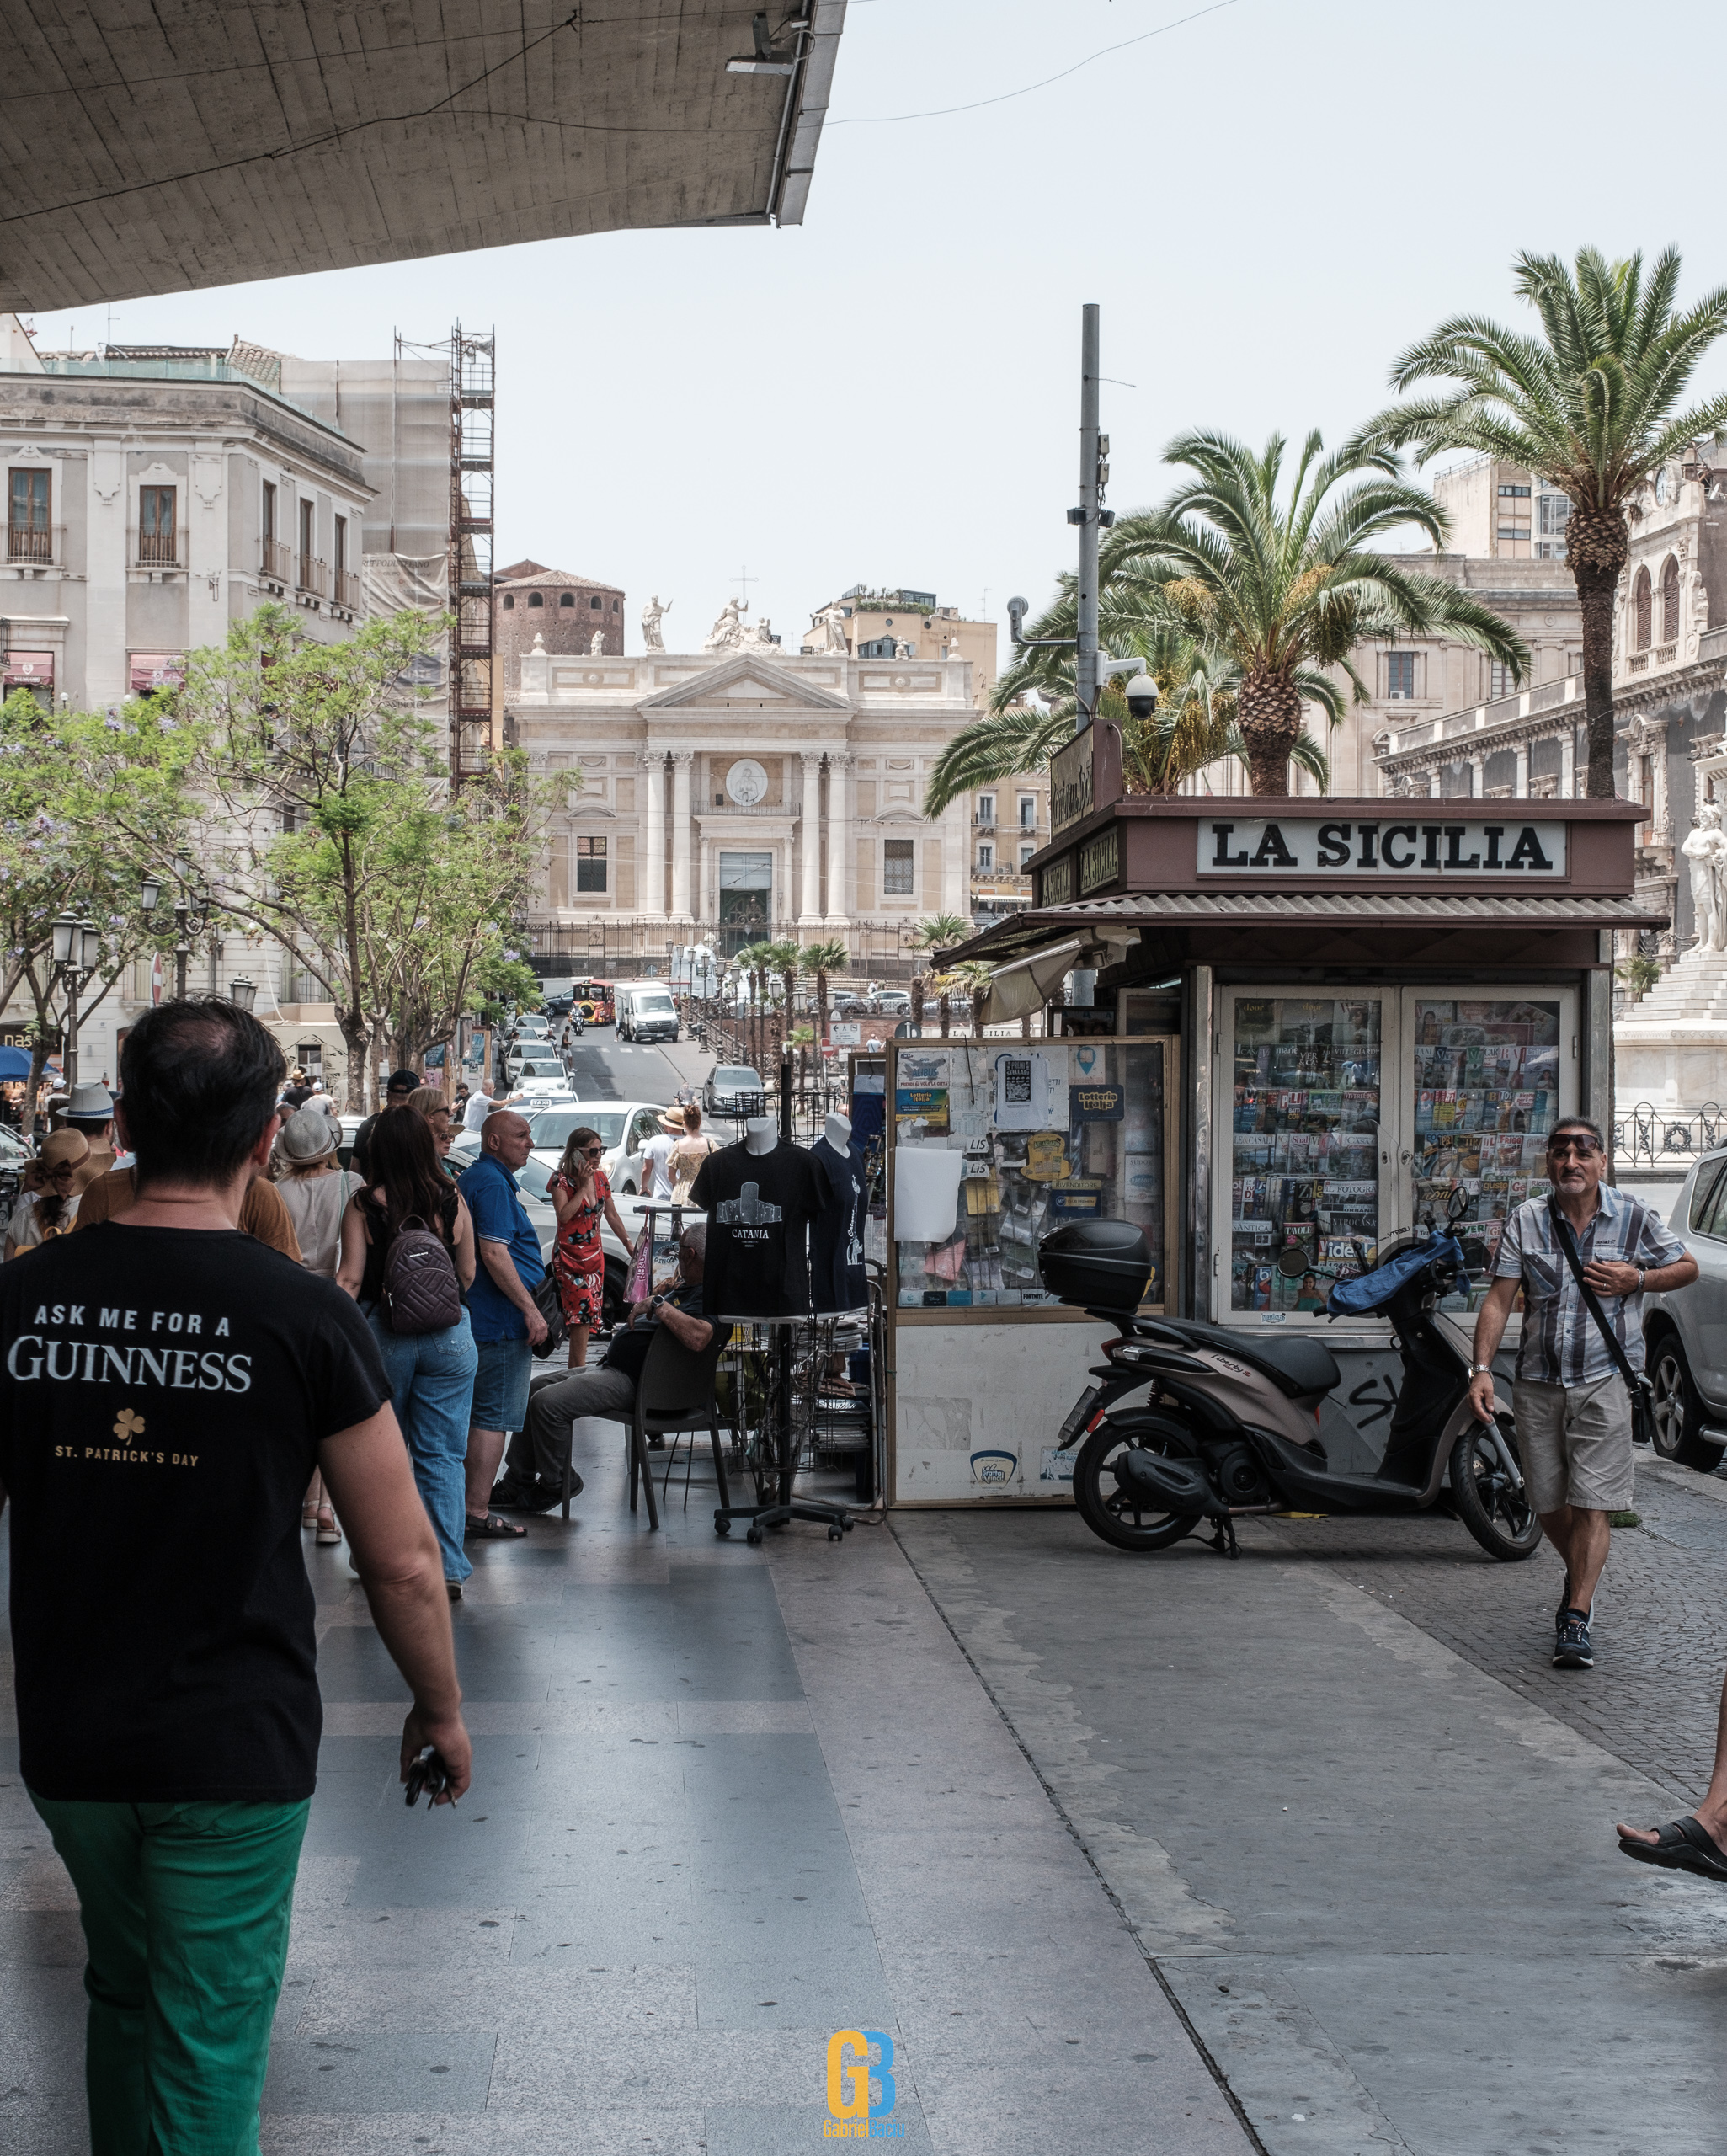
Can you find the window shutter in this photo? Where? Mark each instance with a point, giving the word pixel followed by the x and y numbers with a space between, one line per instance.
pixel 1643 597
pixel 1669 602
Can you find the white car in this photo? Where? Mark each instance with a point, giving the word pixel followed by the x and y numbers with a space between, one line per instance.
pixel 625 1127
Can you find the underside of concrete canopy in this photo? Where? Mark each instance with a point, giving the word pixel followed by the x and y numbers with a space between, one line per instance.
pixel 161 148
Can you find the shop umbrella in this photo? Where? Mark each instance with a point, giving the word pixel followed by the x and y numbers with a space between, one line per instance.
pixel 14 1063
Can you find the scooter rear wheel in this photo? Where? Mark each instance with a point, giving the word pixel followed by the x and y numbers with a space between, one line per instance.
pixel 1502 1519
pixel 1114 1513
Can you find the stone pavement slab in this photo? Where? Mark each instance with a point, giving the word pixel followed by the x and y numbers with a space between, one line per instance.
pixel 1365 1830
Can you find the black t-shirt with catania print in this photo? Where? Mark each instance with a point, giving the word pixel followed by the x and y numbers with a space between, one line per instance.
pixel 759 1207
pixel 163 1394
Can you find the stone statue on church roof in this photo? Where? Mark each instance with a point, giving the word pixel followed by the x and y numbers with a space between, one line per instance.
pixel 653 614
pixel 727 633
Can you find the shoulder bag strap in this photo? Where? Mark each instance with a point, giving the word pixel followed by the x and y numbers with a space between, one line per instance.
pixel 1562 1231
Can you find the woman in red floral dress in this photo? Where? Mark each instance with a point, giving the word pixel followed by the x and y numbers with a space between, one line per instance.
pixel 581 1197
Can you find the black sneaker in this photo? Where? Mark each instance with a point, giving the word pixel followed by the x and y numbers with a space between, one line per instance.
pixel 1573 1649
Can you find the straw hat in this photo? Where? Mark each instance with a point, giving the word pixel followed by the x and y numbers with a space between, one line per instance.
pixel 308 1135
pixel 673 1119
pixel 64 1145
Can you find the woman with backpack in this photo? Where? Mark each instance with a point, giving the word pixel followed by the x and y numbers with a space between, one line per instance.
pixel 407 1259
pixel 581 1197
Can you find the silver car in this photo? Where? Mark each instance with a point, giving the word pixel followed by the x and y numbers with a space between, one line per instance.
pixel 1685 1330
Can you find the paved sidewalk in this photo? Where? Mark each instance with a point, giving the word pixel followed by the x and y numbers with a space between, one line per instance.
pixel 725 1803
pixel 1363 1826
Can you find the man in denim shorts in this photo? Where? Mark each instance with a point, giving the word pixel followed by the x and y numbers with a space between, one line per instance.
pixel 1572 1408
pixel 506 1321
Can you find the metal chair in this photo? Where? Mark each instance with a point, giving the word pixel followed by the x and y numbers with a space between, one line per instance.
pixel 674 1393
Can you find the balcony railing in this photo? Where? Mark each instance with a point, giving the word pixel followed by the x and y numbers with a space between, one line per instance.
pixel 348 591
pixel 314 576
pixel 983 822
pixel 1645 1136
pixel 277 560
pixel 1666 653
pixel 28 543
pixel 160 550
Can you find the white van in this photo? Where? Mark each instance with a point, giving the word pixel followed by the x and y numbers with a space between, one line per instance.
pixel 647 1013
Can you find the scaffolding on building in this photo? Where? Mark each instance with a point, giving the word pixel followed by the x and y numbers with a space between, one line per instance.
pixel 472 443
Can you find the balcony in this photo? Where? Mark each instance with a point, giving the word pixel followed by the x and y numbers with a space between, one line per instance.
pixel 29 546
pixel 276 561
pixel 348 591
pixel 313 577
pixel 159 550
pixel 982 821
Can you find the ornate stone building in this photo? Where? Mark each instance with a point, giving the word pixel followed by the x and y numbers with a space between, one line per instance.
pixel 726 796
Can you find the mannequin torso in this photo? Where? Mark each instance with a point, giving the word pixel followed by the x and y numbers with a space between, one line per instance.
pixel 761 1133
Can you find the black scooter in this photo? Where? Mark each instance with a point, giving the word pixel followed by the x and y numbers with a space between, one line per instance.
pixel 1232 1424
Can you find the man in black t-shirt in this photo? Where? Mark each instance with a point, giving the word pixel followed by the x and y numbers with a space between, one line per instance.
pixel 168 1383
pixel 533 1479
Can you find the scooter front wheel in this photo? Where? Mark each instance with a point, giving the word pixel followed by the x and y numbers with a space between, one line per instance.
pixel 1501 1518
pixel 1117 1515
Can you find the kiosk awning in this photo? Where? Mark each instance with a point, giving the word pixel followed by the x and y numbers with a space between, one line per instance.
pixel 1025 937
pixel 1028 984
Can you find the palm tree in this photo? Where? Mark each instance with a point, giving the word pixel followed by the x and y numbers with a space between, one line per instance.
pixel 1287 585
pixel 974 976
pixel 822 959
pixel 784 959
pixel 1591 406
pixel 753 961
pixel 931 934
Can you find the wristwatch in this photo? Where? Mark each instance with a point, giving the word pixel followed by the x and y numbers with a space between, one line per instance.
pixel 654 1305
pixel 1480 1369
pixel 1640 1271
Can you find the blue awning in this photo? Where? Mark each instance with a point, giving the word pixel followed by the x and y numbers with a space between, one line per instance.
pixel 14 1063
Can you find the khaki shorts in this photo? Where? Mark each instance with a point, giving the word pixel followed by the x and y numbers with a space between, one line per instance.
pixel 1575 1442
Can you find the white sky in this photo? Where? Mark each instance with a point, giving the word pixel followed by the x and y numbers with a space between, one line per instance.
pixel 1268 203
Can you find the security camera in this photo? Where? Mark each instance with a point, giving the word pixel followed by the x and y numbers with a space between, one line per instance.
pixel 1141 696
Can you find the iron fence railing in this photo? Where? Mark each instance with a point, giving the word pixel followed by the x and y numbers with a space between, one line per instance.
pixel 1646 1136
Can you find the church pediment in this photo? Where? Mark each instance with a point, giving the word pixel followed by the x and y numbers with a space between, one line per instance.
pixel 746 683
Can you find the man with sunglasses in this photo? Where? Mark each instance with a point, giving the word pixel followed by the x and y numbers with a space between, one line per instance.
pixel 1572 1406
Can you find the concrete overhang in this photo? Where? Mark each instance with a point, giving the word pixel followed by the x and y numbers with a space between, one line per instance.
pixel 165 148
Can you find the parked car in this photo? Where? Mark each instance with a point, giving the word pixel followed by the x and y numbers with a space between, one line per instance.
pixel 1685 1329
pixel 894 1002
pixel 734 1089
pixel 625 1127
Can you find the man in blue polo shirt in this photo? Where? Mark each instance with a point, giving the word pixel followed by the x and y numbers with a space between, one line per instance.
pixel 507 1328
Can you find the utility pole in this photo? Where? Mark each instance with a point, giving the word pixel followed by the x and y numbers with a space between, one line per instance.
pixel 1086 517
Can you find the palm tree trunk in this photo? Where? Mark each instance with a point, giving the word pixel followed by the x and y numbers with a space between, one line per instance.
pixel 1598 548
pixel 1269 709
pixel 916 1001
pixel 944 1009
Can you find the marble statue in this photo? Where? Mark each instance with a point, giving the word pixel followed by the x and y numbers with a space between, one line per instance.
pixel 596 644
pixel 1706 850
pixel 727 633
pixel 832 623
pixel 761 637
pixel 902 649
pixel 653 614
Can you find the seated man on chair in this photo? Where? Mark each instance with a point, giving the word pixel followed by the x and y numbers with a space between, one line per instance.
pixel 533 1471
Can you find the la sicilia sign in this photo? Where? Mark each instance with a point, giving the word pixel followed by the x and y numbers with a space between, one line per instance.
pixel 1362 851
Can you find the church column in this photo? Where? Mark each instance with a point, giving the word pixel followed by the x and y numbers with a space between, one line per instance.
pixel 1478 775
pixel 842 886
pixel 809 911
pixel 680 833
pixel 1568 763
pixel 650 902
pixel 1520 785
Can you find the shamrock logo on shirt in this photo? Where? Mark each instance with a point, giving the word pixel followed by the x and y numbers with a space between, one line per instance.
pixel 128 1425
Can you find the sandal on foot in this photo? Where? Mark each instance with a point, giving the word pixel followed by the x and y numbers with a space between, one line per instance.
pixel 329 1533
pixel 1681 1845
pixel 492 1528
pixel 308 1516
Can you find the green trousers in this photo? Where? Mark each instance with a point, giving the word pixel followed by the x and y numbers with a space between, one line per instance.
pixel 185 1911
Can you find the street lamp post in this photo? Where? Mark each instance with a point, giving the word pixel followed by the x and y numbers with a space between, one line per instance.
pixel 77 954
pixel 192 911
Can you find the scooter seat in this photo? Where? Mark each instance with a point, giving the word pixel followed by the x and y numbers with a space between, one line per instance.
pixel 1295 1365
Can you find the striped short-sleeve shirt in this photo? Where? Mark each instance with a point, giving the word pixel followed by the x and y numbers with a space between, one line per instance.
pixel 1562 1342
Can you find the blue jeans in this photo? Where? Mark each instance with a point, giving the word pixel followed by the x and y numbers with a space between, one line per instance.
pixel 432 1387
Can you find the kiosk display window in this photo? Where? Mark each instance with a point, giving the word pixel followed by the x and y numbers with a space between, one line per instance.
pixel 1304 1166
pixel 1036 1134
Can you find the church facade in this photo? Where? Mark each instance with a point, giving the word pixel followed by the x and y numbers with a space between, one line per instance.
pixel 725 797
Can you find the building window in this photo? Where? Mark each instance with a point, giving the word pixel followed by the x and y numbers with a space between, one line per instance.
pixel 896 869
pixel 1502 682
pixel 510 602
pixel 593 600
pixel 1670 601
pixel 1028 812
pixel 1519 494
pixel 877 648
pixel 1027 852
pixel 269 511
pixel 309 1057
pixel 341 546
pixel 1555 515
pixel 1400 674
pixel 614 607
pixel 155 524
pixel 567 598
pixel 307 543
pixel 537 599
pixel 1642 604
pixel 27 518
pixel 590 864
pixel 986 856
pixel 986 807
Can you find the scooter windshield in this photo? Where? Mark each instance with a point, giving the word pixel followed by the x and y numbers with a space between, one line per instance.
pixel 1372 1291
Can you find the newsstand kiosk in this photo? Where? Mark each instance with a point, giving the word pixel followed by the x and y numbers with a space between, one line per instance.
pixel 1313 1018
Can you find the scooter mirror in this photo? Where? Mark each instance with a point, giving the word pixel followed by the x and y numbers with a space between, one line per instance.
pixel 1457 1204
pixel 1475 1257
pixel 1292 1261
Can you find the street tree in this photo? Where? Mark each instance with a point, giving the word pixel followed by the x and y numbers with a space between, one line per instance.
pixel 820 960
pixel 329 826
pixel 89 803
pixel 932 934
pixel 1595 406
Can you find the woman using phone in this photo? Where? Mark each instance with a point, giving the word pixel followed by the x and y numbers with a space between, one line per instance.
pixel 581 1197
